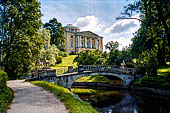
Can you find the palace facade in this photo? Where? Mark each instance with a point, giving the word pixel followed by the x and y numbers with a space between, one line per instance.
pixel 77 41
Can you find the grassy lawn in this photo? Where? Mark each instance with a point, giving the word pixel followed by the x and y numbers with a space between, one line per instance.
pixel 66 61
pixel 164 70
pixel 93 78
pixel 160 81
pixel 83 91
pixel 72 104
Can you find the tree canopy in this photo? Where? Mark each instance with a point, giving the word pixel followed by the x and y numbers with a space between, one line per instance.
pixel 57 33
pixel 22 42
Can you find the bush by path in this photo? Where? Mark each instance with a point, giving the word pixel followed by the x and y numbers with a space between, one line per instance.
pixel 6 93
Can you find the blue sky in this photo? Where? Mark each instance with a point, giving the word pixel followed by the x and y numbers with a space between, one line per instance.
pixel 98 16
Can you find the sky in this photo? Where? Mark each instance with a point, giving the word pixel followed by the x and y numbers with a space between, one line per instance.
pixel 98 16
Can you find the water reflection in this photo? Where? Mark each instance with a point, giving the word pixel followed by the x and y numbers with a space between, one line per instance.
pixel 125 102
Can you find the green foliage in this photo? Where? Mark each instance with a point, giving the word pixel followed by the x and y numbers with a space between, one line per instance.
pixel 72 104
pixel 3 79
pixel 155 82
pixel 50 54
pixel 57 33
pixel 164 70
pixel 6 96
pixel 89 57
pixel 112 45
pixel 93 78
pixel 22 42
pixel 63 54
pixel 149 61
pixel 83 91
pixel 154 32
pixel 58 60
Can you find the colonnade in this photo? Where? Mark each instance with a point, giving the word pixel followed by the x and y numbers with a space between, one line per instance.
pixel 85 43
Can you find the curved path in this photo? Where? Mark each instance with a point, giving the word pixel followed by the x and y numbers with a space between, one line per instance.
pixel 33 99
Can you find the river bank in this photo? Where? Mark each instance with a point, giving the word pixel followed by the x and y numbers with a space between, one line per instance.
pixel 137 89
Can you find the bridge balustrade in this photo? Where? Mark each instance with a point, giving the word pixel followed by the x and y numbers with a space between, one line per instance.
pixel 108 68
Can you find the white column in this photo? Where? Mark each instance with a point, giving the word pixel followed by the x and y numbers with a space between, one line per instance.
pixel 80 41
pixel 85 42
pixel 91 43
pixel 96 43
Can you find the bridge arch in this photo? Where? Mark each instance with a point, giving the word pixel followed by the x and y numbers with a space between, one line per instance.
pixel 67 81
pixel 107 75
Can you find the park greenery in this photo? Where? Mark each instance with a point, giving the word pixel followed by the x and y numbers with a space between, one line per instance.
pixel 93 78
pixel 6 94
pixel 24 39
pixel 57 33
pixel 73 105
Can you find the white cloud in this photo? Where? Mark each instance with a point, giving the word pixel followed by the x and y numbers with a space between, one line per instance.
pixel 123 26
pixel 89 23
pixel 122 31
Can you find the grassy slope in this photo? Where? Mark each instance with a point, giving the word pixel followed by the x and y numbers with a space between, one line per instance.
pixel 93 78
pixel 6 96
pixel 72 104
pixel 66 61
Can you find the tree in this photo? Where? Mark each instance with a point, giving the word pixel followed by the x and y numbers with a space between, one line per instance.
pixel 154 33
pixel 112 45
pixel 89 57
pixel 114 52
pixel 149 62
pixel 48 52
pixel 22 43
pixel 57 33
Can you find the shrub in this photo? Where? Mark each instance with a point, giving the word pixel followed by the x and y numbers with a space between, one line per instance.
pixel 58 60
pixel 6 96
pixel 63 54
pixel 3 79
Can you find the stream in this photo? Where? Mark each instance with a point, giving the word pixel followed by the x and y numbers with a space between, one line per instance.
pixel 126 102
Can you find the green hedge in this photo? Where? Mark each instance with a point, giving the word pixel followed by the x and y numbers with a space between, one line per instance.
pixel 72 104
pixel 3 79
pixel 6 96
pixel 6 93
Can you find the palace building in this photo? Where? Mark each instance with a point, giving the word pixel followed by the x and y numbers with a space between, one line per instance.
pixel 77 41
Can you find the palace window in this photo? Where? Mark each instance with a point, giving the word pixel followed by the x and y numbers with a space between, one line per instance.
pixel 72 43
pixel 87 45
pixel 82 44
pixel 93 45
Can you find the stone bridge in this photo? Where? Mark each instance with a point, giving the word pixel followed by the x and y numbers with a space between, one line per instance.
pixel 66 80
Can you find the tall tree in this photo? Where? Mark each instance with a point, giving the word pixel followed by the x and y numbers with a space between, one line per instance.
pixel 57 33
pixel 22 43
pixel 112 45
pixel 154 33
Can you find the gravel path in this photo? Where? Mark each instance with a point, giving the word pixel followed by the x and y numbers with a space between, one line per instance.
pixel 33 99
